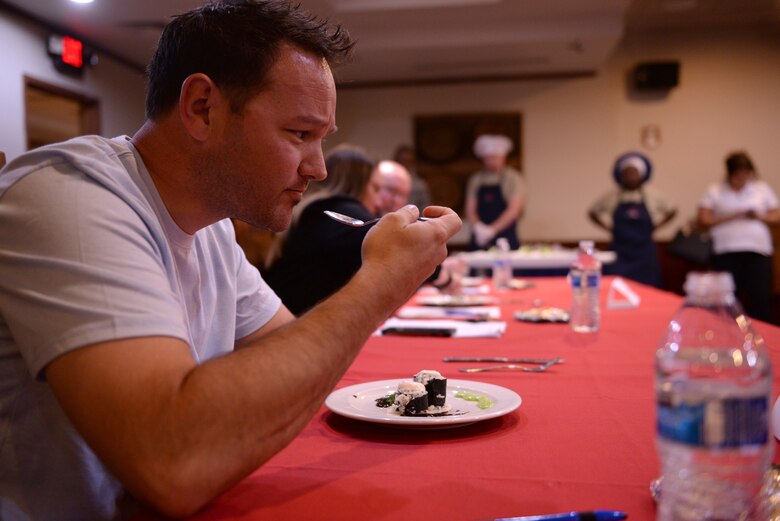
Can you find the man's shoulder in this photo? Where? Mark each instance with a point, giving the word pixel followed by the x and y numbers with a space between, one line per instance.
pixel 76 150
pixel 95 156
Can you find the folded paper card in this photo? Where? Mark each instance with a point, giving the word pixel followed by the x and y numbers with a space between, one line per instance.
pixel 620 296
pixel 463 313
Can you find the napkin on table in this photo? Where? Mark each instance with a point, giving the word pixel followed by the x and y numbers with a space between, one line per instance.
pixel 451 313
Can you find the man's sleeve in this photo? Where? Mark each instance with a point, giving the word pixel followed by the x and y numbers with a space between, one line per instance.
pixel 78 266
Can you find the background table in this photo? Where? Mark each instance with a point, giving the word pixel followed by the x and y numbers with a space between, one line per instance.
pixel 557 258
pixel 582 439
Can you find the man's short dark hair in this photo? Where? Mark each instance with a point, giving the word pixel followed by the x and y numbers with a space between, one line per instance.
pixel 235 43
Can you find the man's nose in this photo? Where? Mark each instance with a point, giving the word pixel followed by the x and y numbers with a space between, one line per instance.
pixel 313 165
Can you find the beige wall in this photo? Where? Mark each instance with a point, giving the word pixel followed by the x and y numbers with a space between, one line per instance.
pixel 119 89
pixel 728 98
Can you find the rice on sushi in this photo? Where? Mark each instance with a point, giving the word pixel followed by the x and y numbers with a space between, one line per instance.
pixel 411 399
pixel 436 386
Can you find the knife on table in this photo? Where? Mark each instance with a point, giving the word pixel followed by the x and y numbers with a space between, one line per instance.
pixel 499 359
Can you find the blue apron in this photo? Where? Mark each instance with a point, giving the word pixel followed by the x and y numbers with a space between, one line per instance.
pixel 632 241
pixel 490 205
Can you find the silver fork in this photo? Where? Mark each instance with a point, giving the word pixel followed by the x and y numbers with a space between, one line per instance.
pixel 534 369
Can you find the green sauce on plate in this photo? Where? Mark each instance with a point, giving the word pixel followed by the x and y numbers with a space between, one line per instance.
pixel 483 402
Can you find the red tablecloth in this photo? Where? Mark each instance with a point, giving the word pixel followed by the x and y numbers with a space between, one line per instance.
pixel 583 438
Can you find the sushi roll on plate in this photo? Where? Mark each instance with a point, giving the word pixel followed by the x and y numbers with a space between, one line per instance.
pixel 411 399
pixel 436 386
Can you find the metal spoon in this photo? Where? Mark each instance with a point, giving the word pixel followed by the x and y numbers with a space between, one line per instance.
pixel 354 222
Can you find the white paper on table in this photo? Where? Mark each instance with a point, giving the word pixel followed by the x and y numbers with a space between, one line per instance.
pixel 619 289
pixel 462 329
pixel 483 289
pixel 465 312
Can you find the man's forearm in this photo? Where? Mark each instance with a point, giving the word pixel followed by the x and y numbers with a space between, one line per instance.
pixel 269 391
pixel 177 433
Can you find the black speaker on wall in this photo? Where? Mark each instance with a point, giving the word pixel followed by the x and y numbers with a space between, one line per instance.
pixel 656 75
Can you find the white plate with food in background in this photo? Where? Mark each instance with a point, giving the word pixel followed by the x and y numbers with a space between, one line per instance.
pixel 468 401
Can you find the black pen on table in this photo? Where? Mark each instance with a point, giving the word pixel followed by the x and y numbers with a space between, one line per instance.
pixel 596 515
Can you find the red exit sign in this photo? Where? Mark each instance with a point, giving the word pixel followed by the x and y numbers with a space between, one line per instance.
pixel 72 52
pixel 68 54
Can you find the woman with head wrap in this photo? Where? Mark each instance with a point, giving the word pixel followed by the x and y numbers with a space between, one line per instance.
pixel 495 197
pixel 631 212
pixel 738 212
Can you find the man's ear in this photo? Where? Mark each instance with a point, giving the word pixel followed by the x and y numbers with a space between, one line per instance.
pixel 198 99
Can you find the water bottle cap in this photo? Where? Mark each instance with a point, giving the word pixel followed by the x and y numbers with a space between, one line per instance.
pixel 709 283
pixel 502 243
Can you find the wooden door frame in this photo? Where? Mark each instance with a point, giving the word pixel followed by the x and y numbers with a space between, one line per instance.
pixel 89 120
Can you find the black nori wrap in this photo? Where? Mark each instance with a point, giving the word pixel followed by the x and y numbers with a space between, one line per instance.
pixel 416 406
pixel 437 391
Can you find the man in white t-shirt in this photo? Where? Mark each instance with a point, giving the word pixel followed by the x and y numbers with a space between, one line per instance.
pixel 142 359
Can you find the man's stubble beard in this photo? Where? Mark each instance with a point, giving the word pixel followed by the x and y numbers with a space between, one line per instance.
pixel 230 194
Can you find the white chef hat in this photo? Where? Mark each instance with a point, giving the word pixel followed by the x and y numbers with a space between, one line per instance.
pixel 492 145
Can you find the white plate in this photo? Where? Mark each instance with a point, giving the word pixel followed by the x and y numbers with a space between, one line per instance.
pixel 359 402
pixel 455 300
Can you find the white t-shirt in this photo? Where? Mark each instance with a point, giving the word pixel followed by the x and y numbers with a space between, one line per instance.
pixel 740 234
pixel 88 253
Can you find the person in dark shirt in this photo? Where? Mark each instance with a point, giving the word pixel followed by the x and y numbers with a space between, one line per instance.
pixel 319 255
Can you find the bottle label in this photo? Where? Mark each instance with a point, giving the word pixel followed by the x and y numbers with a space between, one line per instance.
pixel 592 280
pixel 731 422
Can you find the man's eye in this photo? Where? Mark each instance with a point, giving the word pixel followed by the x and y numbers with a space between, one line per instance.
pixel 300 134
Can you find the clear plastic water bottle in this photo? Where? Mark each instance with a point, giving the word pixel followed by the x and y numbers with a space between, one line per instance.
pixel 585 280
pixel 713 390
pixel 502 265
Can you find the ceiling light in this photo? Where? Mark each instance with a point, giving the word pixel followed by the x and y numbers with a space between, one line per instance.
pixel 82 1
pixel 377 5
